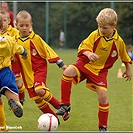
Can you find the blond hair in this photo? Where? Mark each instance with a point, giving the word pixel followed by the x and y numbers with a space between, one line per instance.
pixel 23 14
pixel 107 16
pixel 4 12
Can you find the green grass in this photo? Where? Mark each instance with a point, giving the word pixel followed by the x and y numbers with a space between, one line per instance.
pixel 83 102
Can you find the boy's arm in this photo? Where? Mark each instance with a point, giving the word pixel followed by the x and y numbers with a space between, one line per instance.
pixel 24 54
pixel 91 56
pixel 61 64
pixel 18 49
pixel 127 73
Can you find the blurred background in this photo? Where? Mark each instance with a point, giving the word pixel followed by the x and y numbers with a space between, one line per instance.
pixel 76 19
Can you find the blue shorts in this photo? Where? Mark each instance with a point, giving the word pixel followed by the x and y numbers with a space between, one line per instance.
pixel 7 81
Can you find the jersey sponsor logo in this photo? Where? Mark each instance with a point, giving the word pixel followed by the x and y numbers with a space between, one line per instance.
pixel 34 52
pixel 114 53
pixel 37 83
pixel 104 49
pixel 101 83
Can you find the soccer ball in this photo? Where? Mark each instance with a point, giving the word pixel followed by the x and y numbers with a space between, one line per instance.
pixel 47 122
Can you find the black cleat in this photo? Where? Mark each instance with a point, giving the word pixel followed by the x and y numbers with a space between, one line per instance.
pixel 103 129
pixel 16 107
pixel 64 110
pixel 22 101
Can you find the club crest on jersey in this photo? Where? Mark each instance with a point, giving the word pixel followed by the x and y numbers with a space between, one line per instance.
pixel 114 53
pixel 34 52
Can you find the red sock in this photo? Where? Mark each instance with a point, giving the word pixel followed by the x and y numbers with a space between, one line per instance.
pixel 54 102
pixel 21 92
pixel 21 95
pixel 47 96
pixel 66 84
pixel 45 108
pixel 103 114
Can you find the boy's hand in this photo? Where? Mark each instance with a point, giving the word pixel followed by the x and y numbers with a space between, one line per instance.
pixel 24 54
pixel 127 75
pixel 25 57
pixel 91 56
pixel 64 67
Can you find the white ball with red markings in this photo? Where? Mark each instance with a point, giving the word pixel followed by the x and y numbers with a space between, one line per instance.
pixel 47 122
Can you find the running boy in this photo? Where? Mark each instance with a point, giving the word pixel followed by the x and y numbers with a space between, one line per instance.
pixel 9 47
pixel 9 30
pixel 34 68
pixel 96 54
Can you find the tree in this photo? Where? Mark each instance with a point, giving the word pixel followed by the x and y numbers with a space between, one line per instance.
pixel 80 19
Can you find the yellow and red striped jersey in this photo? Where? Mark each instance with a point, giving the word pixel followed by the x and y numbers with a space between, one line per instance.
pixel 8 48
pixel 108 50
pixel 38 52
pixel 10 31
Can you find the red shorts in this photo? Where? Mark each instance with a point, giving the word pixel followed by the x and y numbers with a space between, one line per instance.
pixel 92 81
pixel 16 68
pixel 39 83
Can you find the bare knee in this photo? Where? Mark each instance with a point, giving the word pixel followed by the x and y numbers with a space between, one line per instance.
pixel 19 83
pixel 39 100
pixel 102 96
pixel 40 92
pixel 70 71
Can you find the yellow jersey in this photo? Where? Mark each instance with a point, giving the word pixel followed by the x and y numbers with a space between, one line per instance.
pixel 8 48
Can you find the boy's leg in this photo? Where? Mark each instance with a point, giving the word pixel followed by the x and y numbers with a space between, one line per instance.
pixel 41 103
pixel 10 90
pixel 66 84
pixel 69 75
pixel 2 117
pixel 21 91
pixel 103 110
pixel 13 101
pixel 103 116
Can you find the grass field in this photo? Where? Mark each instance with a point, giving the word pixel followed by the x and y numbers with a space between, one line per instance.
pixel 83 103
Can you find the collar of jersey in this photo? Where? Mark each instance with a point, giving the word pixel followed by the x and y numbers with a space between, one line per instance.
pixel 8 29
pixel 30 36
pixel 115 36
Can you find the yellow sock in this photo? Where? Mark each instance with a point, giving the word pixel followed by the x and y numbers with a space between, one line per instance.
pixel 2 119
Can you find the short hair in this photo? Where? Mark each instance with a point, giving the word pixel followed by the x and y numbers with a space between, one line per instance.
pixel 23 14
pixel 107 16
pixel 1 22
pixel 4 12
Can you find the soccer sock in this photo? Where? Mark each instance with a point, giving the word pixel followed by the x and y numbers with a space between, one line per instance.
pixel 66 84
pixel 45 108
pixel 47 96
pixel 21 92
pixel 103 114
pixel 2 118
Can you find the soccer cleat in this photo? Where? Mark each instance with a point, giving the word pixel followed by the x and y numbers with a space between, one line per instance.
pixel 103 129
pixel 64 110
pixel 58 121
pixel 22 101
pixel 16 107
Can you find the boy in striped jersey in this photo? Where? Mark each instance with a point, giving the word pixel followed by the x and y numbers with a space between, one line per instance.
pixel 34 68
pixel 96 54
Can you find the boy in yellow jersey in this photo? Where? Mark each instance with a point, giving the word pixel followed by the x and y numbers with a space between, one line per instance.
pixel 9 30
pixel 96 54
pixel 34 68
pixel 8 48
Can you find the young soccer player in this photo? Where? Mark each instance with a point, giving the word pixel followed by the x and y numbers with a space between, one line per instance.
pixel 8 47
pixel 34 68
pixel 9 30
pixel 96 54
